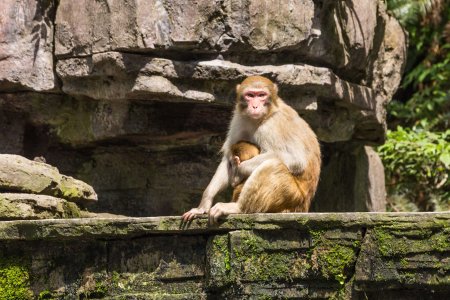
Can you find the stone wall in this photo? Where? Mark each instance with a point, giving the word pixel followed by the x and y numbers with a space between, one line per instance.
pixel 134 97
pixel 263 256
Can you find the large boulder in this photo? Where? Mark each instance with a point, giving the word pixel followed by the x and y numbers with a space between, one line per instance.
pixel 21 175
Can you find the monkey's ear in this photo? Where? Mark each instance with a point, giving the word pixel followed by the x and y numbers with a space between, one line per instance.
pixel 275 88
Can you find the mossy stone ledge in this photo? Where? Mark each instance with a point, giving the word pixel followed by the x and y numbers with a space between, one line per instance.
pixel 284 256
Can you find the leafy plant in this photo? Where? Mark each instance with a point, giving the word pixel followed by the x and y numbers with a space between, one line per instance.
pixel 424 99
pixel 417 164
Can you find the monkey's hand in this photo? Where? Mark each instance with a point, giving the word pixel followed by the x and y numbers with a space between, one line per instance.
pixel 221 210
pixel 193 213
pixel 236 160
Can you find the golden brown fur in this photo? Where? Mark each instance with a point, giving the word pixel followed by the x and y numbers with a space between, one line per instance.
pixel 275 189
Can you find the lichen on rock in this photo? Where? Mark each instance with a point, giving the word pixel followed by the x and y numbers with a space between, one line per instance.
pixel 35 190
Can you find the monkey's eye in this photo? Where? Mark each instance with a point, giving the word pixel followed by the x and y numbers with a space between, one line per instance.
pixel 255 95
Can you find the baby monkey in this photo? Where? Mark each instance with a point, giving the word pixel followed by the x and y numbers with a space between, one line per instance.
pixel 241 151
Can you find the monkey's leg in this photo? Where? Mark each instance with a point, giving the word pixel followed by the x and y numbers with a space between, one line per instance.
pixel 271 188
pixel 222 209
pixel 236 192
pixel 218 183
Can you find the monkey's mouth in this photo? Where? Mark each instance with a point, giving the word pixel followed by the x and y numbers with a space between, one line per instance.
pixel 255 115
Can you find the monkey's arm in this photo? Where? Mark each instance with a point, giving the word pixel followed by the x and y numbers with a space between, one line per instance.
pixel 219 181
pixel 247 167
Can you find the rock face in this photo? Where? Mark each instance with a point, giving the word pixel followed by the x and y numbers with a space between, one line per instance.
pixel 36 190
pixel 134 97
pixel 26 45
pixel 275 256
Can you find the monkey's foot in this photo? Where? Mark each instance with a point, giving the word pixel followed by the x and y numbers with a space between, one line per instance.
pixel 192 214
pixel 236 180
pixel 222 209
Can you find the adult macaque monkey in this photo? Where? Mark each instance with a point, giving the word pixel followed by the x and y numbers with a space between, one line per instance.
pixel 284 176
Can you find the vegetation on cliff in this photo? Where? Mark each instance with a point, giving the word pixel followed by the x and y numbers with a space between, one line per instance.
pixel 417 152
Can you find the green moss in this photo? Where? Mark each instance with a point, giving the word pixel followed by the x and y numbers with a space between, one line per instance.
pixel 47 295
pixel 168 224
pixel 99 291
pixel 266 267
pixel 9 210
pixel 398 244
pixel 71 210
pixel 384 241
pixel 301 266
pixel 388 244
pixel 123 283
pixel 357 244
pixel 316 236
pixel 115 277
pixel 404 263
pixel 70 192
pixel 14 280
pixel 254 263
pixel 243 222
pixel 258 259
pixel 334 260
pixel 441 240
pixel 221 247
pixel 220 273
pixel 408 278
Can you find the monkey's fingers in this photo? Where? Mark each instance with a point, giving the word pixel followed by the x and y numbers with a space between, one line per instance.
pixel 217 212
pixel 189 216
pixel 214 216
pixel 236 160
pixel 186 216
pixel 192 214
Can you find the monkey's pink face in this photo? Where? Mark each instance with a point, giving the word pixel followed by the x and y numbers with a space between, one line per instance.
pixel 257 101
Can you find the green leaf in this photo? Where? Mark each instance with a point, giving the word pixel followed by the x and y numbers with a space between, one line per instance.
pixel 445 159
